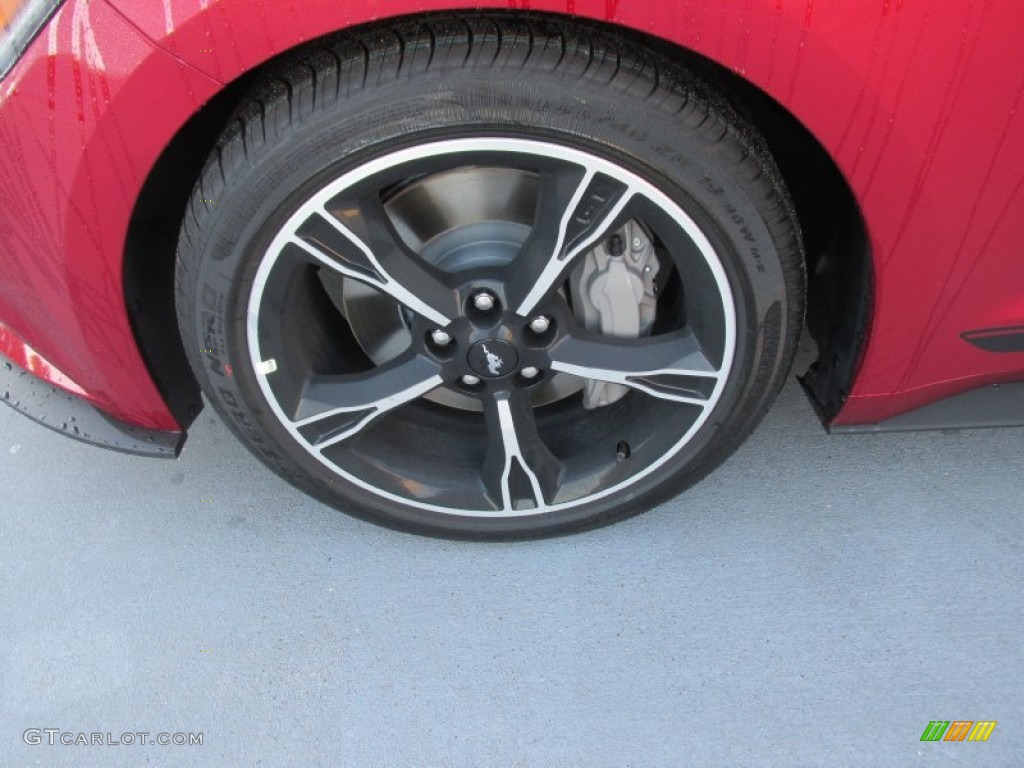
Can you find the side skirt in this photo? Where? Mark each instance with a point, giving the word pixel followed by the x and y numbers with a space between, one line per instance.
pixel 997 405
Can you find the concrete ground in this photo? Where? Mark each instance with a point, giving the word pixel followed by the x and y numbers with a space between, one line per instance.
pixel 816 602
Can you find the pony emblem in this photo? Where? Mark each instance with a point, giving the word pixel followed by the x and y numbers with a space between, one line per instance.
pixel 494 362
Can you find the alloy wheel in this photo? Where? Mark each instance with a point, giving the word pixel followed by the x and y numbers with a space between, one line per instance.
pixel 493 362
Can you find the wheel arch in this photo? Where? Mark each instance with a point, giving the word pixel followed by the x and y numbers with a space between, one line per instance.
pixel 837 250
pixel 151 247
pixel 839 265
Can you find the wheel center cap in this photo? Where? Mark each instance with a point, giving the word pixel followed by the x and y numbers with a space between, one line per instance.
pixel 493 358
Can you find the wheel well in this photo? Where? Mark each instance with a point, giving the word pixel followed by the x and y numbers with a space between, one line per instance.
pixel 151 245
pixel 839 268
pixel 840 272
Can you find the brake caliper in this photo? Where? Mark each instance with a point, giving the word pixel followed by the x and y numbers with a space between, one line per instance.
pixel 613 292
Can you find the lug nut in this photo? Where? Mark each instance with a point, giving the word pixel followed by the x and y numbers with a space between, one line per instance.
pixel 540 324
pixel 637 243
pixel 529 372
pixel 484 301
pixel 470 380
pixel 441 338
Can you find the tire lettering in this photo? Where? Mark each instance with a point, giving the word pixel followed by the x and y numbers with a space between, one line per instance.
pixel 211 346
pixel 240 418
pixel 711 186
pixel 208 296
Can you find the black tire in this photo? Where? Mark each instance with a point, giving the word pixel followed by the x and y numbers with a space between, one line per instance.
pixel 438 85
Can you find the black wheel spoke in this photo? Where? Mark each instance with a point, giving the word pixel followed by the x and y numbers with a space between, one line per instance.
pixel 520 472
pixel 576 207
pixel 670 367
pixel 359 241
pixel 334 408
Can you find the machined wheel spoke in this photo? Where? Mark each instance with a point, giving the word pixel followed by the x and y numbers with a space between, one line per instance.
pixel 671 367
pixel 577 207
pixel 520 472
pixel 334 408
pixel 360 242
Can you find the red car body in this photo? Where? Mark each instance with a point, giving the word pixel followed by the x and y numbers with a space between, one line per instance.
pixel 917 104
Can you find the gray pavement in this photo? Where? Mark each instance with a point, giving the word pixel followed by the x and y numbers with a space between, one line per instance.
pixel 816 602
